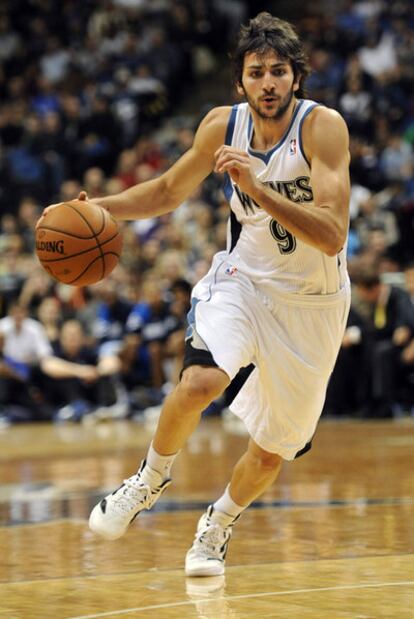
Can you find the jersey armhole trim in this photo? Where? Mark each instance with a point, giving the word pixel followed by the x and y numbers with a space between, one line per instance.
pixel 308 111
pixel 227 185
pixel 231 124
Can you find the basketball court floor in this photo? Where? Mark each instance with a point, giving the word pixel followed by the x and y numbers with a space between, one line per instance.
pixel 333 539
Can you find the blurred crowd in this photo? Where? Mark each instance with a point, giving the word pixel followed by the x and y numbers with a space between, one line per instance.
pixel 90 94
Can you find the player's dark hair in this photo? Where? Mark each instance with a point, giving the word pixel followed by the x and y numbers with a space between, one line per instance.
pixel 266 33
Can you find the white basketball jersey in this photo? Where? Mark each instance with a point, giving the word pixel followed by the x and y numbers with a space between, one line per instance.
pixel 257 244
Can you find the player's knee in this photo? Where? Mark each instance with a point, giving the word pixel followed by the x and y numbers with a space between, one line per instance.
pixel 265 460
pixel 200 386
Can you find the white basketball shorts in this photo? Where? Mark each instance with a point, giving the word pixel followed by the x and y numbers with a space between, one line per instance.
pixel 292 340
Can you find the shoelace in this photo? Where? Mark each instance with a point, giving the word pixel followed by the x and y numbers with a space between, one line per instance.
pixel 210 540
pixel 132 491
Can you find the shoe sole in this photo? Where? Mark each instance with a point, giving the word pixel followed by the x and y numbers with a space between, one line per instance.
pixel 211 570
pixel 95 525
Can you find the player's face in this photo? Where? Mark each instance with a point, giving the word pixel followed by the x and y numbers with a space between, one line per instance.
pixel 268 83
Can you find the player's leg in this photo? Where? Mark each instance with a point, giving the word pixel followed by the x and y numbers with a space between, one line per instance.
pixel 256 470
pixel 182 409
pixel 179 417
pixel 280 425
pixel 220 340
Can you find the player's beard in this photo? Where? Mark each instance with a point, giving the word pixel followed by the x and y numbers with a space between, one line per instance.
pixel 279 112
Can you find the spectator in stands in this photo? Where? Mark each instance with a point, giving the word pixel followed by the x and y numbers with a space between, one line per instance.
pixel 26 352
pixel 390 327
pixel 69 190
pixel 89 386
pixel 105 316
pixel 12 277
pixel 135 372
pixel 407 355
pixel 324 82
pixel 8 228
pixel 151 318
pixel 397 159
pixel 175 343
pixel 37 285
pixel 50 316
pixel 378 56
pixel 347 390
pixel 409 281
pixel 356 107
pixel 27 215
pixel 370 217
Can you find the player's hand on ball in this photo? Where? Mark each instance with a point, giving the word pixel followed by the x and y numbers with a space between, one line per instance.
pixel 237 164
pixel 82 197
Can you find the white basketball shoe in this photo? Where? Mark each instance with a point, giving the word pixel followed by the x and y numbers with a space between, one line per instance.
pixel 111 517
pixel 207 555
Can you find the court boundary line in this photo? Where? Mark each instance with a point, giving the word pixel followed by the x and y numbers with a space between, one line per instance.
pixel 229 598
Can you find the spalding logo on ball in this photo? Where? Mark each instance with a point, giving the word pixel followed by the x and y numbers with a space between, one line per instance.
pixel 78 243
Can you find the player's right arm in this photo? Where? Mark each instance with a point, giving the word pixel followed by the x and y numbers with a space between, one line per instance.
pixel 166 192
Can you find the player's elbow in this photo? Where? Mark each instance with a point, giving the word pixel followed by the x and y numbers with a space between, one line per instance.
pixel 332 251
pixel 334 240
pixel 169 198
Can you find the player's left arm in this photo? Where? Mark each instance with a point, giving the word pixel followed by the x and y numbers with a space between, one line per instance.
pixel 323 224
pixel 326 143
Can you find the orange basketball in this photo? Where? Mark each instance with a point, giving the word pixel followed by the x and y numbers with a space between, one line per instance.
pixel 78 243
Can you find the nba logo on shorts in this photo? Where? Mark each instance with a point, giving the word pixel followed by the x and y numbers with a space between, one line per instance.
pixel 292 147
pixel 231 270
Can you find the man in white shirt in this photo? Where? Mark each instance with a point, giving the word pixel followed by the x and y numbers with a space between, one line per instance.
pixel 24 346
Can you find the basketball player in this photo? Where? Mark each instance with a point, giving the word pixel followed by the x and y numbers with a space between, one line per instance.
pixel 277 298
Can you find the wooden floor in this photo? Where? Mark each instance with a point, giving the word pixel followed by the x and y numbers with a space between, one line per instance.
pixel 333 539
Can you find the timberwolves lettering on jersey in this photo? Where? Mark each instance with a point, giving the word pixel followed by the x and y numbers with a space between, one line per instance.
pixel 296 190
pixel 257 244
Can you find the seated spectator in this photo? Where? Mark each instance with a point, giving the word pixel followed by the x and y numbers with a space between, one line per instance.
pixel 105 316
pixel 407 355
pixel 152 318
pixel 397 159
pixel 27 352
pixel 12 278
pixel 135 373
pixel 371 217
pixel 377 56
pixel 390 327
pixel 8 229
pixel 90 385
pixel 28 214
pixel 409 281
pixel 325 79
pixel 175 343
pixel 37 286
pixel 49 315
pixel 356 107
pixel 347 389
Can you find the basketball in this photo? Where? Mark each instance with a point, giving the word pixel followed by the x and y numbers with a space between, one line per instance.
pixel 78 243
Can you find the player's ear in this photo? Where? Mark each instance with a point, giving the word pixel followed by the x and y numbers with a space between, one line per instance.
pixel 296 81
pixel 240 89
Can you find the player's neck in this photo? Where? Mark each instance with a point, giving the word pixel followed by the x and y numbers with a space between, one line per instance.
pixel 268 132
